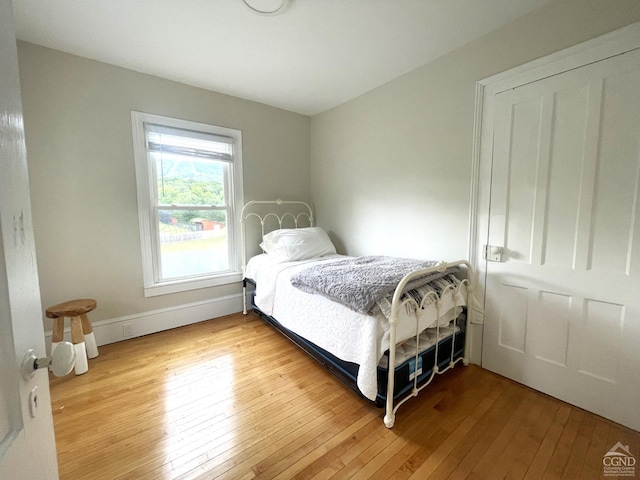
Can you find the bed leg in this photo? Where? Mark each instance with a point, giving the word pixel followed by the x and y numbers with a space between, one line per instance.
pixel 389 420
pixel 244 297
pixel 389 417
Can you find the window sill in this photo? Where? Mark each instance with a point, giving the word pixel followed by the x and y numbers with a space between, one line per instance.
pixel 166 288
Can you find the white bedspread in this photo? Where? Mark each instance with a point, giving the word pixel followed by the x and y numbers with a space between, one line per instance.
pixel 350 336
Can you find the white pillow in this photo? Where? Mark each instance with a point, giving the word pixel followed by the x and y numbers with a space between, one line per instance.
pixel 291 244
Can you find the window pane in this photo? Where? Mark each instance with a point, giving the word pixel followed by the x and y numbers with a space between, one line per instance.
pixel 185 180
pixel 192 242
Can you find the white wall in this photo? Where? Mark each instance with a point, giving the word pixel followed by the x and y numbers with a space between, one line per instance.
pixel 390 170
pixel 80 153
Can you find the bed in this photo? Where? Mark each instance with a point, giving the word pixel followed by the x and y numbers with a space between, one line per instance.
pixel 420 326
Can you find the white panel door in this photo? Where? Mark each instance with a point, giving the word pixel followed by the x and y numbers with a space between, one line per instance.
pixel 563 305
pixel 27 444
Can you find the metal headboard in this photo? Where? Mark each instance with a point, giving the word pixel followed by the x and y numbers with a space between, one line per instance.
pixel 248 212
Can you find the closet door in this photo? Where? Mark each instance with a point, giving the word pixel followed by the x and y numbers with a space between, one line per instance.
pixel 563 302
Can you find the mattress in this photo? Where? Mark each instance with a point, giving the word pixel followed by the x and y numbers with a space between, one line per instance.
pixel 349 335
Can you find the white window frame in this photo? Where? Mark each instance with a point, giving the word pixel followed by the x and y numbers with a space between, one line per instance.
pixel 149 240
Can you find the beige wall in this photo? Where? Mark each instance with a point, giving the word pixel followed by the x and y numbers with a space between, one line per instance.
pixel 390 170
pixel 80 151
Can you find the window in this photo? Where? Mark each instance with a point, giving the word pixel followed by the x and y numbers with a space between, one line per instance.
pixel 189 179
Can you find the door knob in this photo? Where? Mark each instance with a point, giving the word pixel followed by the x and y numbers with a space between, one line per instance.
pixel 61 361
pixel 493 253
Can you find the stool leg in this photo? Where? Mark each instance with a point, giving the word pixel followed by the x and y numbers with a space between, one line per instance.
pixel 77 338
pixel 89 337
pixel 57 335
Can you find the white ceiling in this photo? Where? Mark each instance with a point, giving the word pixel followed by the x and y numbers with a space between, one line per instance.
pixel 314 56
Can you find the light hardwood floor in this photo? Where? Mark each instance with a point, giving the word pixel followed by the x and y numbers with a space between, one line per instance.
pixel 231 398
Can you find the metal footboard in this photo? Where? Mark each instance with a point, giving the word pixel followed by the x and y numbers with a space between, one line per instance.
pixel 396 305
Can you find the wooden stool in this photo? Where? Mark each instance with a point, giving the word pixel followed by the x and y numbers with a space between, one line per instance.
pixel 82 337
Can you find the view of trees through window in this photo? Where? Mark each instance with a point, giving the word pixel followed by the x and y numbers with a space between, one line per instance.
pixel 192 215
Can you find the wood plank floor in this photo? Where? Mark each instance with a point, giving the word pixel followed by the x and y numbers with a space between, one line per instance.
pixel 233 399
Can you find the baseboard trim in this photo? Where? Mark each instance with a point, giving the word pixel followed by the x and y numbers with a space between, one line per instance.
pixel 144 323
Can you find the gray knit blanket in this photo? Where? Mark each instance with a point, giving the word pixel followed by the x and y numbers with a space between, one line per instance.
pixel 360 283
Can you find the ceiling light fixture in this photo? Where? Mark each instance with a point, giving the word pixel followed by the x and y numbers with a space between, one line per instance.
pixel 268 10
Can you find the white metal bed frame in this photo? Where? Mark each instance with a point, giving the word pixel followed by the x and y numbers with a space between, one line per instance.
pixel 396 304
